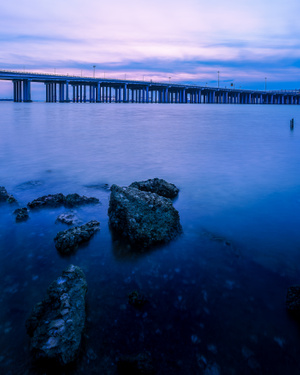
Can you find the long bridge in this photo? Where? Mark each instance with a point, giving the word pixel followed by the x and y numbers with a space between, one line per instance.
pixel 66 88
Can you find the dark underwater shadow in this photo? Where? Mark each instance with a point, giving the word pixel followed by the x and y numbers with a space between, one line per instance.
pixel 123 250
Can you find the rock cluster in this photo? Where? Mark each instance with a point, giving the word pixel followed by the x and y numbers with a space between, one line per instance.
pixel 5 197
pixel 56 324
pixel 158 186
pixel 144 218
pixel 56 200
pixel 68 240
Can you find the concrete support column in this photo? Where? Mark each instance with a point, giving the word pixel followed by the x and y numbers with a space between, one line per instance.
pixel 47 92
pixel 125 93
pixel 147 94
pixel 67 91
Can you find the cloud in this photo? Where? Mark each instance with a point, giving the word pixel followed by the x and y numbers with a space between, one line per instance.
pixel 190 39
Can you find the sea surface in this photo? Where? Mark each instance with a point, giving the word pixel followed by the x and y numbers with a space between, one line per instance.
pixel 216 295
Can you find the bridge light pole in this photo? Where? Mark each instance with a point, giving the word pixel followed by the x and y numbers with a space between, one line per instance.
pixel 94 67
pixel 265 83
pixel 218 79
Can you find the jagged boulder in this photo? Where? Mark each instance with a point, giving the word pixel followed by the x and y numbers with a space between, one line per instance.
pixel 5 197
pixel 143 218
pixel 158 186
pixel 56 324
pixel 56 200
pixel 68 240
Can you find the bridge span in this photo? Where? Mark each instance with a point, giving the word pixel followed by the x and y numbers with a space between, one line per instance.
pixel 66 88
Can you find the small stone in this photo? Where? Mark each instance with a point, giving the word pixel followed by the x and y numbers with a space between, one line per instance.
pixel 5 197
pixel 247 353
pixel 212 369
pixel 293 300
pixel 195 339
pixel 68 218
pixel 212 348
pixel 280 341
pixel 21 214
pixel 139 364
pixel 136 299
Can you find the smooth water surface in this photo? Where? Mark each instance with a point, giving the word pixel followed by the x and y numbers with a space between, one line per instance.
pixel 217 293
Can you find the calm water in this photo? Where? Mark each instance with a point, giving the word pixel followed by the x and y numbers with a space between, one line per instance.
pixel 216 294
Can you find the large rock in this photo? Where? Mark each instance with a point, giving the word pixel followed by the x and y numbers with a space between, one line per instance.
pixel 56 200
pixel 56 324
pixel 143 218
pixel 5 197
pixel 158 186
pixel 68 240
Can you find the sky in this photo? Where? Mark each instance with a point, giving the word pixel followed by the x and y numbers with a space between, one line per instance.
pixel 250 43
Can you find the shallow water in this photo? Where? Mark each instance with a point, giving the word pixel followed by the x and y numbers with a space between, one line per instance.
pixel 217 293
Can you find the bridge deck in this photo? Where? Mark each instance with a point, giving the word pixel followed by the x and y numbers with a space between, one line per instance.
pixel 88 89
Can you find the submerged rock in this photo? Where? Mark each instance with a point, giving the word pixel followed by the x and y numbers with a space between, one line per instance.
pixel 68 240
pixel 68 218
pixel 143 218
pixel 73 200
pixel 56 324
pixel 138 364
pixel 5 197
pixel 136 299
pixel 293 300
pixel 30 184
pixel 158 186
pixel 51 200
pixel 56 200
pixel 22 214
pixel 99 187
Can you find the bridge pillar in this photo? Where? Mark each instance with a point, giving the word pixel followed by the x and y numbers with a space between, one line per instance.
pixel 26 91
pixel 166 95
pixel 18 90
pixel 125 93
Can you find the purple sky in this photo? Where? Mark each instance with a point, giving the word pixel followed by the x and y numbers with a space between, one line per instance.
pixel 187 40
